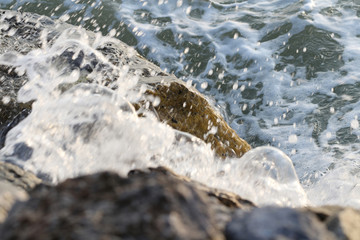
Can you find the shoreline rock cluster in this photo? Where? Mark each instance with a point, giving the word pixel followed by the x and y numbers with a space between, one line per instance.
pixel 153 203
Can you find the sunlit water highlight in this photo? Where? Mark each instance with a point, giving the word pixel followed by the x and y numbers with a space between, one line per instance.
pixel 285 73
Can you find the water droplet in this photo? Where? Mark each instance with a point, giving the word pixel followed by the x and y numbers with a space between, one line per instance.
pixel 236 85
pixel 328 135
pixel 188 10
pixel 6 100
pixel 354 124
pixel 204 85
pixel 293 138
pixel 244 107
pixel 221 75
pixel 64 17
pixel 112 33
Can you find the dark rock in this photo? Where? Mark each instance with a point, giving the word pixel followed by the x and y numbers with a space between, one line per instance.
pixel 107 206
pixel 226 198
pixel 343 222
pixel 10 121
pixel 276 224
pixel 223 203
pixel 11 111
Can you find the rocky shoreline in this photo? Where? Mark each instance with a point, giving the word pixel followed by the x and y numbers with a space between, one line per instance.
pixel 153 203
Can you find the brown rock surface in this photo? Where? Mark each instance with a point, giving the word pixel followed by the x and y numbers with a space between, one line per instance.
pixel 188 111
pixel 106 206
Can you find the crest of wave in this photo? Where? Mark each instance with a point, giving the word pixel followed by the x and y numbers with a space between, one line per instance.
pixel 87 127
pixel 264 175
pixel 79 127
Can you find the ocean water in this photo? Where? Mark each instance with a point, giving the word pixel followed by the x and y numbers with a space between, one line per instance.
pixel 284 73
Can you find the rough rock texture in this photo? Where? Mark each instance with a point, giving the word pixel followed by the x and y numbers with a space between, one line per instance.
pixel 182 107
pixel 14 185
pixel 188 111
pixel 106 206
pixel 223 203
pixel 226 198
pixel 276 224
pixel 343 222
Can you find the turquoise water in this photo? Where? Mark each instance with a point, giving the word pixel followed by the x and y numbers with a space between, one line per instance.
pixel 285 73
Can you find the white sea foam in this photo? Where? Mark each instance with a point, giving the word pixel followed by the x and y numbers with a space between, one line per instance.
pixel 313 120
pixel 90 127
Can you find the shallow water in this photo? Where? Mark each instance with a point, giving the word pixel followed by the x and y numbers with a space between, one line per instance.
pixel 285 74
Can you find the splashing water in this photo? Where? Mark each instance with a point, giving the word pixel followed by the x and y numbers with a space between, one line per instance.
pixel 285 74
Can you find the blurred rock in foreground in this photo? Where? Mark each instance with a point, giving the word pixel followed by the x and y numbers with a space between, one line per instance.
pixel 14 185
pixel 157 203
pixel 343 222
pixel 277 224
pixel 107 206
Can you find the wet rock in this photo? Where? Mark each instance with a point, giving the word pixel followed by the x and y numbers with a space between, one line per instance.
pixel 343 222
pixel 107 206
pixel 187 110
pixel 11 121
pixel 277 224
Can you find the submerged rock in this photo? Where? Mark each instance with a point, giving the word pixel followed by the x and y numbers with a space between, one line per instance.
pixel 277 224
pixel 107 206
pixel 182 107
